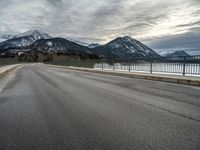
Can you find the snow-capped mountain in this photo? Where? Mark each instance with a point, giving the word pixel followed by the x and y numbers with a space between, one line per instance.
pixel 125 47
pixel 5 37
pixel 58 45
pixel 94 45
pixel 175 54
pixel 24 39
pixel 122 47
pixel 36 34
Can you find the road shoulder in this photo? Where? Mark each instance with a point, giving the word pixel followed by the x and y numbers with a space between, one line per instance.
pixel 7 73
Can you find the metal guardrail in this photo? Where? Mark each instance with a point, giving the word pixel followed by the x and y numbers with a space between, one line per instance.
pixel 177 65
pixel 189 65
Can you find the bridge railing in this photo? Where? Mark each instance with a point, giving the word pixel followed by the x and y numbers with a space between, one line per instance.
pixel 189 65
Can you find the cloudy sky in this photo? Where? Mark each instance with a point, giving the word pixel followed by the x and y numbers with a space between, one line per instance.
pixel 161 24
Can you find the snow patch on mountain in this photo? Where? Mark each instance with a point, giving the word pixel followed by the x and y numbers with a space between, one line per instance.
pixel 24 39
pixel 50 44
pixel 36 34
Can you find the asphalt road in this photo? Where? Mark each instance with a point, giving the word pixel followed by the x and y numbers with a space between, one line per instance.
pixel 47 108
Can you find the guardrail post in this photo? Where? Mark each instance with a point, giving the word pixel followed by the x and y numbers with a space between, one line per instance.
pixel 184 66
pixel 114 67
pixel 129 67
pixel 151 66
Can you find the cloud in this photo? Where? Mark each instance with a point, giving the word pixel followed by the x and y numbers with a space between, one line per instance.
pixel 102 20
pixel 188 41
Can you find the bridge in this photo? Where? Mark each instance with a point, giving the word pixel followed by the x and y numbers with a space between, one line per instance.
pixel 47 107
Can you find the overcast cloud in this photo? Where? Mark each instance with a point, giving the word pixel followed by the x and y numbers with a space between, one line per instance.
pixel 161 24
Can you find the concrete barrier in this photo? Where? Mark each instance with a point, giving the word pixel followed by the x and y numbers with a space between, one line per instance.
pixel 186 80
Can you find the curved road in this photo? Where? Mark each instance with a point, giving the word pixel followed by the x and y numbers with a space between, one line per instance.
pixel 47 108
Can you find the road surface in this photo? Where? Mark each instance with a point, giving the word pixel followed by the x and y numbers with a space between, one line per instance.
pixel 48 108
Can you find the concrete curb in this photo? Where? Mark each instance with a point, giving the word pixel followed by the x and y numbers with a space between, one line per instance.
pixel 171 79
pixel 2 74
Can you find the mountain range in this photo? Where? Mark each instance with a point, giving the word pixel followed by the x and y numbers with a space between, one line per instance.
pixel 175 54
pixel 121 47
